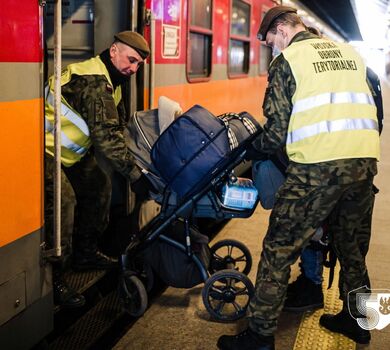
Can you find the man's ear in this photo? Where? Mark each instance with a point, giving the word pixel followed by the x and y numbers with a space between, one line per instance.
pixel 113 50
pixel 281 28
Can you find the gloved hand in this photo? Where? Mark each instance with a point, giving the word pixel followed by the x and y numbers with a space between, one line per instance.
pixel 253 154
pixel 142 187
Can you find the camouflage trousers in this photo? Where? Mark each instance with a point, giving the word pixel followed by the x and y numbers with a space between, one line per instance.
pixel 299 210
pixel 85 204
pixel 353 250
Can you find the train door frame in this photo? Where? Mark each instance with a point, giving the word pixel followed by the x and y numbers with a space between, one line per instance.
pixel 25 282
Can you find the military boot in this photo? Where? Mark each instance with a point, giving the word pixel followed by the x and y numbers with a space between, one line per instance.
pixel 92 261
pixel 345 324
pixel 297 285
pixel 86 255
pixel 246 340
pixel 304 295
pixel 65 296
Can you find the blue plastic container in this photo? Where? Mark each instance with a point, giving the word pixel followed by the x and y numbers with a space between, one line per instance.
pixel 241 194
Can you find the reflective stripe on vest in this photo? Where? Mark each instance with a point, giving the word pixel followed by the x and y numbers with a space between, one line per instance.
pixel 71 116
pixel 65 141
pixel 331 126
pixel 68 113
pixel 332 97
pixel 333 112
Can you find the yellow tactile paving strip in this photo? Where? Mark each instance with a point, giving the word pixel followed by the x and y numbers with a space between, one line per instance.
pixel 314 337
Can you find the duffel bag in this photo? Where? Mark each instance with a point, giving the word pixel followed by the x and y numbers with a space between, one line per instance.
pixel 189 149
pixel 240 126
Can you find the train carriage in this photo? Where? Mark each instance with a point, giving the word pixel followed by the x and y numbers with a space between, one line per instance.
pixel 206 52
pixel 25 283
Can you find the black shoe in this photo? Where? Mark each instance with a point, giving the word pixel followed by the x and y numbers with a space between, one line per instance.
pixel 246 340
pixel 297 286
pixel 304 295
pixel 345 324
pixel 94 261
pixel 65 296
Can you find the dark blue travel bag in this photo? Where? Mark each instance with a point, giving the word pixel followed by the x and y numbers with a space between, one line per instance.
pixel 189 149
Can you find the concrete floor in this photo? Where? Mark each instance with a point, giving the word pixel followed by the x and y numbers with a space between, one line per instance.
pixel 177 320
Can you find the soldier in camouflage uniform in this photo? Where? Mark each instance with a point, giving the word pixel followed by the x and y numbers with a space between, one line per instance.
pixel 321 181
pixel 93 120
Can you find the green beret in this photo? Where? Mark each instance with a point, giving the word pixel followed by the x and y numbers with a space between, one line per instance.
pixel 135 41
pixel 269 17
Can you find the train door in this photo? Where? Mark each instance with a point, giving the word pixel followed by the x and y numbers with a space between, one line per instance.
pixel 88 28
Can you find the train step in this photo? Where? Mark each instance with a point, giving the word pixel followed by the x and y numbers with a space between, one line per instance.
pixel 101 322
pixel 81 281
pixel 88 329
pixel 96 286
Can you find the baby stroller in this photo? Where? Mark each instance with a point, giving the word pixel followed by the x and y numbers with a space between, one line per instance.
pixel 191 164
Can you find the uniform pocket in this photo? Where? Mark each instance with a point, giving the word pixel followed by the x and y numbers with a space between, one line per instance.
pixel 290 191
pixel 106 112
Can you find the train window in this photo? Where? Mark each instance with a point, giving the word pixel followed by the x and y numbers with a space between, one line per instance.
pixel 239 38
pixel 199 40
pixel 239 57
pixel 200 55
pixel 240 18
pixel 201 13
pixel 265 55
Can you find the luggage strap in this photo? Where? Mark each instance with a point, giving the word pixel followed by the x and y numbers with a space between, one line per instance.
pixel 248 124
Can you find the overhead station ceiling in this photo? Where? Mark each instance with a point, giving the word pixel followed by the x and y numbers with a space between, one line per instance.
pixel 338 14
pixel 345 16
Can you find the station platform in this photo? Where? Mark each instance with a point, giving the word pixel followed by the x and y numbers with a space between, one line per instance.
pixel 178 320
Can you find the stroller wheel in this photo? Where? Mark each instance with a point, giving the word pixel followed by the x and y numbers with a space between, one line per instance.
pixel 230 254
pixel 148 274
pixel 147 277
pixel 226 295
pixel 132 294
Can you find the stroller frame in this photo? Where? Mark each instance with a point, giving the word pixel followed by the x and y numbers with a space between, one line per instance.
pixel 184 210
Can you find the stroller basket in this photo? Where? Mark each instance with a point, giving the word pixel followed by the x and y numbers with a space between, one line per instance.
pixel 232 201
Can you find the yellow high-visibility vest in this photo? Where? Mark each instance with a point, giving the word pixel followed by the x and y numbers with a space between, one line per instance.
pixel 334 114
pixel 75 135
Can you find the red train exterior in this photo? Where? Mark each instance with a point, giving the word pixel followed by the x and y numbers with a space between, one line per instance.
pixel 21 111
pixel 221 90
pixel 25 293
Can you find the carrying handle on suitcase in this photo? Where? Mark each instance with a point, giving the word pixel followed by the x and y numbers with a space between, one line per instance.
pixel 225 118
pixel 248 124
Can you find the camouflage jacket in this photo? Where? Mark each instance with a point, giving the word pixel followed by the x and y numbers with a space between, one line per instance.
pixel 90 96
pixel 277 107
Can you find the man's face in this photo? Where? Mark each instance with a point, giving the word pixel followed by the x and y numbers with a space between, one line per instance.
pixel 125 58
pixel 278 42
